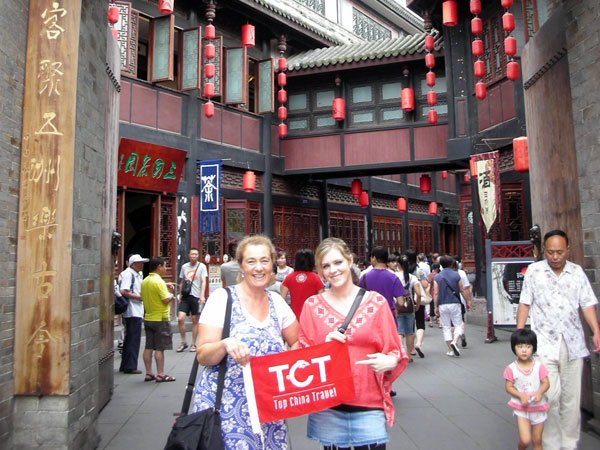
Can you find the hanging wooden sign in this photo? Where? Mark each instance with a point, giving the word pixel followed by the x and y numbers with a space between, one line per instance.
pixel 43 293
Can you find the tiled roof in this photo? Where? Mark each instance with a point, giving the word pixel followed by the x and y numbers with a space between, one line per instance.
pixel 371 50
pixel 310 20
pixel 403 12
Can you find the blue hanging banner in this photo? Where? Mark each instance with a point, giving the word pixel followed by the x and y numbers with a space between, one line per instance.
pixel 210 196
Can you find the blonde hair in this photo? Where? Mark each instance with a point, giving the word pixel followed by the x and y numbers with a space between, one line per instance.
pixel 327 245
pixel 256 239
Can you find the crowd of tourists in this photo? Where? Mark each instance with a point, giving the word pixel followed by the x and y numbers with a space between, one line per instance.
pixel 275 307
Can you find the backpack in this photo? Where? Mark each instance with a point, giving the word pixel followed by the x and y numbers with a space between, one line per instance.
pixel 121 303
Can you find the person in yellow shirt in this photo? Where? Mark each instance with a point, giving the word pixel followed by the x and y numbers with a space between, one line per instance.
pixel 157 296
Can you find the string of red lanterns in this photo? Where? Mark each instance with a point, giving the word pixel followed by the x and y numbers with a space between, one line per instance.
pixel 477 49
pixel 282 94
pixel 449 14
pixel 430 79
pixel 510 43
pixel 209 67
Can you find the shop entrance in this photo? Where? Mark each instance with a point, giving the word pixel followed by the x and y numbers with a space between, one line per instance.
pixel 146 222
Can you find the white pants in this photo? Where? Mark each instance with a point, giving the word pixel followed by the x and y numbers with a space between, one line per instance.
pixel 450 314
pixel 561 431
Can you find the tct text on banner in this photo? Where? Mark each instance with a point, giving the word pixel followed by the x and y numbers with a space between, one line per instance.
pixel 299 382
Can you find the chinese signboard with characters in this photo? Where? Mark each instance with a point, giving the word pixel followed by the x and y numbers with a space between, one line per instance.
pixel 45 231
pixel 149 166
pixel 488 184
pixel 210 195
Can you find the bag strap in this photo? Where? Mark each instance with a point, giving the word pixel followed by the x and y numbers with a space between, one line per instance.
pixel 189 390
pixel 353 309
pixel 449 287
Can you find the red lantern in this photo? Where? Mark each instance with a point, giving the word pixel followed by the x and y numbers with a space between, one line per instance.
pixel 480 90
pixel 248 35
pixel 432 116
pixel 475 6
pixel 407 99
pixel 282 113
pixel 473 168
pixel 209 109
pixel 429 42
pixel 209 90
pixel 430 60
pixel 209 51
pixel 508 22
pixel 512 71
pixel 356 188
pixel 401 204
pixel 510 46
pixel 165 6
pixel 444 174
pixel 430 78
pixel 209 70
pixel 521 154
pixel 507 3
pixel 282 128
pixel 338 109
pixel 113 14
pixel 476 25
pixel 209 31
pixel 249 181
pixel 281 96
pixel 479 69
pixel 477 47
pixel 433 208
pixel 282 64
pixel 466 178
pixel 449 15
pixel 425 184
pixel 363 199
pixel 281 79
pixel 431 98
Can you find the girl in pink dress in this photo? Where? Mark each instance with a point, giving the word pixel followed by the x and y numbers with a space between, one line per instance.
pixel 526 382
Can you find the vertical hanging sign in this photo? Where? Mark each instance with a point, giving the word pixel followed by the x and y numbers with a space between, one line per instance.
pixel 210 195
pixel 488 185
pixel 43 293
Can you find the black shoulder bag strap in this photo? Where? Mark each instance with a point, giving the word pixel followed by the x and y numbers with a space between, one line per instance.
pixel 449 287
pixel 189 390
pixel 353 309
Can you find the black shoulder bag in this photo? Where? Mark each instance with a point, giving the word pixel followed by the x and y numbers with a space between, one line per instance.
pixel 201 430
pixel 186 285
pixel 121 302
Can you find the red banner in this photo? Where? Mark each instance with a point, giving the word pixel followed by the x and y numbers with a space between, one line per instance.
pixel 299 382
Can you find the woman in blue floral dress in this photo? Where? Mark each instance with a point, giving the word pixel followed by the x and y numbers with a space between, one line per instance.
pixel 260 324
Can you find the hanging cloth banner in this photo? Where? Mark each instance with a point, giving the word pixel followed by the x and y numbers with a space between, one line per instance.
pixel 298 382
pixel 210 196
pixel 488 186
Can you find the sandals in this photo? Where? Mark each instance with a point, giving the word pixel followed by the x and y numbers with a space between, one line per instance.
pixel 192 348
pixel 150 377
pixel 181 348
pixel 164 378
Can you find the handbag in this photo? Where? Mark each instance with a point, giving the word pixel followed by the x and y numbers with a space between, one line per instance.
pixel 201 430
pixel 186 286
pixel 121 303
pixel 426 297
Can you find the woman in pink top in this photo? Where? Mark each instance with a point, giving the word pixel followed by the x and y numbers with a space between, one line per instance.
pixel 376 354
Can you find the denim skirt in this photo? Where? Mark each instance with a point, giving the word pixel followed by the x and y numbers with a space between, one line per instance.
pixel 406 323
pixel 347 429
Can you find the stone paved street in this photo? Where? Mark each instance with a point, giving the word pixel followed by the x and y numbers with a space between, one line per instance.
pixel 442 402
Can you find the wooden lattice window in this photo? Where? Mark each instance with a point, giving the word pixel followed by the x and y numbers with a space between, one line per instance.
pixel 493 48
pixel 167 244
pixel 351 229
pixel 420 234
pixel 388 233
pixel 295 229
pixel 367 28
pixel 513 224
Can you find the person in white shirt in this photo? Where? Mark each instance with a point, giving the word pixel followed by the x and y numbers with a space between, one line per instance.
pixel 465 300
pixel 130 287
pixel 554 290
pixel 192 303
